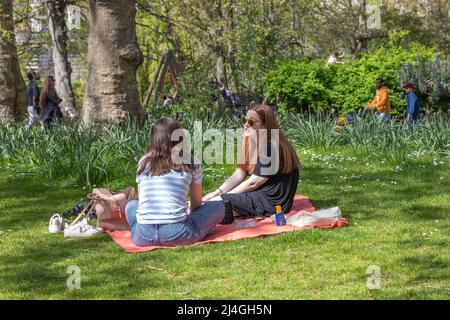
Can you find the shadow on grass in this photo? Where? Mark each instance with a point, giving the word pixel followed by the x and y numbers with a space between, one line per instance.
pixel 431 266
pixel 363 200
pixel 39 269
pixel 29 202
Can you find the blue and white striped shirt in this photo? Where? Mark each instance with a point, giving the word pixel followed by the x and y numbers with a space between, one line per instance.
pixel 163 199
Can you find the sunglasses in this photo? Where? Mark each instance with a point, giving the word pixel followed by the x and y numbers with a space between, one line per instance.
pixel 250 122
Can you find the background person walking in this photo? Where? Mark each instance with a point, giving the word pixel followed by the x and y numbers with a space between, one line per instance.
pixel 381 102
pixel 33 98
pixel 412 105
pixel 49 102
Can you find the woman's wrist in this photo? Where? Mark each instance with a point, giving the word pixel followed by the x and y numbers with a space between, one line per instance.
pixel 219 192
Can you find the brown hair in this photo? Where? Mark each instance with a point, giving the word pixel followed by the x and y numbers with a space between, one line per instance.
pixel 158 160
pixel 45 90
pixel 288 158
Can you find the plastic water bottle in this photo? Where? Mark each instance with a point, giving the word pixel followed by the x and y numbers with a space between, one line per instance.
pixel 280 219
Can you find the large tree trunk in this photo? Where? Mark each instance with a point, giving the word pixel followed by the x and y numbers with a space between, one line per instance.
pixel 13 94
pixel 113 58
pixel 58 33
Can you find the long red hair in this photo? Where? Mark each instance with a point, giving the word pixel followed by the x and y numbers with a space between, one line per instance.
pixel 288 158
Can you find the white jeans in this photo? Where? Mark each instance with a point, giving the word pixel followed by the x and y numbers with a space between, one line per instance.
pixel 383 117
pixel 32 116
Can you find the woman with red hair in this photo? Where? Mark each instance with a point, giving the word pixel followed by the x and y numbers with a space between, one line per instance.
pixel 270 163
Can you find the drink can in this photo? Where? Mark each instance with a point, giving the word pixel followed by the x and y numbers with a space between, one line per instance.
pixel 280 219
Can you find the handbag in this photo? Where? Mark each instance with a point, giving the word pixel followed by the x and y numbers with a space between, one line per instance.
pixel 110 207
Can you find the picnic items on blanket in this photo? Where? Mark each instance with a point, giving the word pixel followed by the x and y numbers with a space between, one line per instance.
pixel 323 217
pixel 110 207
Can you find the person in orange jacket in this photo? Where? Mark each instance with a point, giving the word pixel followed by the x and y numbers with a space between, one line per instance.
pixel 381 101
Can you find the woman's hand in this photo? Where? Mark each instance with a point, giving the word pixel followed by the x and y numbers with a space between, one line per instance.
pixel 211 195
pixel 232 182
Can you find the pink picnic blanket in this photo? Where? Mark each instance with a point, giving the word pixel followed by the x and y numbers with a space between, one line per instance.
pixel 231 232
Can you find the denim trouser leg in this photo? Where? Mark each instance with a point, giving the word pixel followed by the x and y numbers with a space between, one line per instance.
pixel 32 117
pixel 383 117
pixel 196 226
pixel 130 213
pixel 206 218
pixel 141 234
pixel 410 123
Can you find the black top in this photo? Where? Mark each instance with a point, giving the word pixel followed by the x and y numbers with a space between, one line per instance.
pixel 33 94
pixel 52 98
pixel 279 189
pixel 51 108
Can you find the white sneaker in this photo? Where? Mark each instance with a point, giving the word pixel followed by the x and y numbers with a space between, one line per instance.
pixel 81 229
pixel 55 224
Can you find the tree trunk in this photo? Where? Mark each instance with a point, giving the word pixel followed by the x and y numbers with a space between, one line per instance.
pixel 58 34
pixel 13 93
pixel 171 36
pixel 221 71
pixel 231 29
pixel 233 69
pixel 361 39
pixel 113 58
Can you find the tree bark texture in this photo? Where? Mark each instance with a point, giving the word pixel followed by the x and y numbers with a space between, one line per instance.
pixel 113 58
pixel 13 93
pixel 221 70
pixel 62 68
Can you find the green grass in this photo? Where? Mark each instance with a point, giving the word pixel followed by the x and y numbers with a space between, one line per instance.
pixel 399 221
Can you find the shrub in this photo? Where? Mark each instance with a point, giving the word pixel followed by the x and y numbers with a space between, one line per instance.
pixel 431 78
pixel 296 83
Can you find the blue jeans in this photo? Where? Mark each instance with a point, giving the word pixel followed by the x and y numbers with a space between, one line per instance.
pixel 410 122
pixel 383 117
pixel 196 226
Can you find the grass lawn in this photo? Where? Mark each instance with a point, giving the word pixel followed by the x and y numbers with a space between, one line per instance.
pixel 399 221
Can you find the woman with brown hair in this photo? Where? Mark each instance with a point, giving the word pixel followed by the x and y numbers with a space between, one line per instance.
pixel 49 102
pixel 160 216
pixel 272 174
